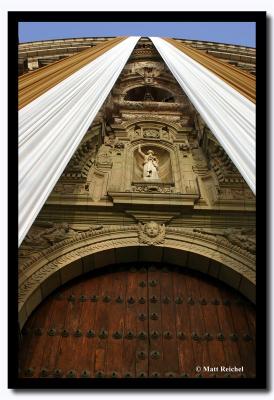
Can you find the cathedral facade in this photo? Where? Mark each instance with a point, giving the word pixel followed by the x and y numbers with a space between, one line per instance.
pixel 142 261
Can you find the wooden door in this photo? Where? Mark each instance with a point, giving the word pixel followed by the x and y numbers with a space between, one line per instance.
pixel 140 321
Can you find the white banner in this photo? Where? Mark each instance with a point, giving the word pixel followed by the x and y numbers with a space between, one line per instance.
pixel 52 126
pixel 230 116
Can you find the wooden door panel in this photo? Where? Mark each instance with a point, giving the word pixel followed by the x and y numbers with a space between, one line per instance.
pixel 200 346
pixel 183 326
pixel 169 334
pixel 116 325
pixel 140 321
pixel 209 302
pixel 156 355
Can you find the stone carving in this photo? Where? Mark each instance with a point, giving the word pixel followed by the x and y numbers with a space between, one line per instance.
pixel 150 165
pixel 184 146
pixel 221 164
pixel 113 142
pixel 151 133
pixel 225 193
pixel 70 188
pixel 150 117
pixel 104 155
pixel 240 194
pixel 151 233
pixel 49 233
pixel 47 236
pixel 167 135
pixel 152 188
pixel 136 133
pixel 119 145
pixel 110 140
pixel 244 238
pixel 86 243
pixel 82 160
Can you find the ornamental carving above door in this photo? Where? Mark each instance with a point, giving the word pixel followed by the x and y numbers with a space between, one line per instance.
pixel 140 321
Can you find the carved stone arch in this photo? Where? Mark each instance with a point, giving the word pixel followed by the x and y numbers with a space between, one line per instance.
pixel 119 244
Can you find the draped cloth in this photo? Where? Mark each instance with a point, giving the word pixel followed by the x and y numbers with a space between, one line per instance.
pixel 57 106
pixel 35 83
pixel 227 107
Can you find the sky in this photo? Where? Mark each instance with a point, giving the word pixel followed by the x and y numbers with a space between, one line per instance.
pixel 239 33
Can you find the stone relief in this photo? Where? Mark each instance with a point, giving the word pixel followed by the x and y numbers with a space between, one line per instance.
pixel 164 118
pixel 184 146
pixel 163 133
pixel 113 142
pixel 166 134
pixel 151 133
pixel 245 238
pixel 242 194
pixel 71 188
pixel 82 159
pixel 152 188
pixel 47 234
pixel 225 170
pixel 104 156
pixel 151 233
pixel 112 146
pixel 225 193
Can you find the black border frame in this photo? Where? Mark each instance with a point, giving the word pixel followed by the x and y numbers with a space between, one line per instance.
pixel 261 380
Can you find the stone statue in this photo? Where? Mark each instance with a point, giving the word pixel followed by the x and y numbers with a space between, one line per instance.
pixel 150 165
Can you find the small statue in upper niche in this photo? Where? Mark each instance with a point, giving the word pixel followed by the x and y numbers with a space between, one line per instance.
pixel 150 165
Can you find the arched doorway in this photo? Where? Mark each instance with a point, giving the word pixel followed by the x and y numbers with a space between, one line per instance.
pixel 140 320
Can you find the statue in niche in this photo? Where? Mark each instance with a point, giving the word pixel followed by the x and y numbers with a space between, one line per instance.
pixel 150 165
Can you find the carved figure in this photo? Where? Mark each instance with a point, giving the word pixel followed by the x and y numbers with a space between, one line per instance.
pixel 54 233
pixel 151 233
pixel 150 165
pixel 110 140
pixel 243 237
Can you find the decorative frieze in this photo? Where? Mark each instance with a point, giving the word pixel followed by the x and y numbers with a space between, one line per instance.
pixel 143 187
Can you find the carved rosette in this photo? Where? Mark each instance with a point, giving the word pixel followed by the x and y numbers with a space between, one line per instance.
pixel 151 233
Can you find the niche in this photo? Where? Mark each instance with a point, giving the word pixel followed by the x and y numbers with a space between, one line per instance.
pixel 149 93
pixel 162 156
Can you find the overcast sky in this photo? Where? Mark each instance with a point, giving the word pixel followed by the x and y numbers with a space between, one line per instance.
pixel 240 33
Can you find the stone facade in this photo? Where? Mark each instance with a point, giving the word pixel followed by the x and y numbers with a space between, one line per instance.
pixel 199 211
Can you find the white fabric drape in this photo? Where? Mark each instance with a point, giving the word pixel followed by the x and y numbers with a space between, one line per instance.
pixel 52 126
pixel 229 115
